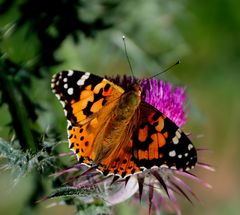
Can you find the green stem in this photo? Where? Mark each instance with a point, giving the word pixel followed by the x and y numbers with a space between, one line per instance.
pixel 17 110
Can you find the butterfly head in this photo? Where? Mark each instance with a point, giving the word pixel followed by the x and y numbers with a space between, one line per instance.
pixel 134 94
pixel 135 87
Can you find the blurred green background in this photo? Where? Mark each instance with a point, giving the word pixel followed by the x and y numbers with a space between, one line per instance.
pixel 203 35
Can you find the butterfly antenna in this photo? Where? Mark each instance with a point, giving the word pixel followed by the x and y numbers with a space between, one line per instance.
pixel 125 50
pixel 165 70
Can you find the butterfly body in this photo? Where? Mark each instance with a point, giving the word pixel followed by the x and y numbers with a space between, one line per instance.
pixel 117 129
pixel 114 129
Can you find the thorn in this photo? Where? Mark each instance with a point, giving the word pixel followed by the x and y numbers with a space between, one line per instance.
pixel 140 185
pixel 185 186
pixel 204 150
pixel 151 190
pixel 70 169
pixel 161 181
pixel 115 178
pixel 182 192
pixel 206 166
pixel 194 177
pixel 88 170
pixel 126 180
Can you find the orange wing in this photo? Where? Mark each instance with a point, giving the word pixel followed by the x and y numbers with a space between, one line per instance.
pixel 87 100
pixel 121 163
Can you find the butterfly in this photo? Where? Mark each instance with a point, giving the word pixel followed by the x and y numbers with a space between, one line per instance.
pixel 114 130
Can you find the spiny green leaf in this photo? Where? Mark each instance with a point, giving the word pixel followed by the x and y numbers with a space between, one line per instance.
pixel 75 192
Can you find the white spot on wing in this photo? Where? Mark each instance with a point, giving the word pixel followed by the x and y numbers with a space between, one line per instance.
pixel 80 82
pixel 65 80
pixel 65 112
pixel 190 146
pixel 69 123
pixel 175 140
pixel 70 91
pixel 172 153
pixel 178 134
pixel 63 104
pixel 70 72
pixel 65 86
pixel 179 156
pixel 164 166
pixel 87 74
pixel 58 96
pixel 186 154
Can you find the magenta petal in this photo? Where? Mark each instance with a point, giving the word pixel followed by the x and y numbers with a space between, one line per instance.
pixel 163 96
pixel 160 94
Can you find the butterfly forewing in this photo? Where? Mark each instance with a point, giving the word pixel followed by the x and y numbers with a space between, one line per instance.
pixel 83 94
pixel 87 100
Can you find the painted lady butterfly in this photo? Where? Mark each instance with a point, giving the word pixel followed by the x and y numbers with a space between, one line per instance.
pixel 115 130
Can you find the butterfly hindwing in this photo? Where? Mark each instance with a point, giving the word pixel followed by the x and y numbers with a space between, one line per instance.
pixel 160 142
pixel 121 163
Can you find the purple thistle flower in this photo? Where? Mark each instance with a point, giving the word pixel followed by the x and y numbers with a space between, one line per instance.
pixel 170 101
pixel 160 94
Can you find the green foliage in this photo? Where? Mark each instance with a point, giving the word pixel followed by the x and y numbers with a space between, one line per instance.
pixel 22 163
pixel 77 192
pixel 15 159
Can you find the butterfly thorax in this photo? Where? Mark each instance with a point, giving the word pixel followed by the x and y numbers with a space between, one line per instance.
pixel 128 103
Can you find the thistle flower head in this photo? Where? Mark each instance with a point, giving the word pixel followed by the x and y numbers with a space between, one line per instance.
pixel 160 94
pixel 163 96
